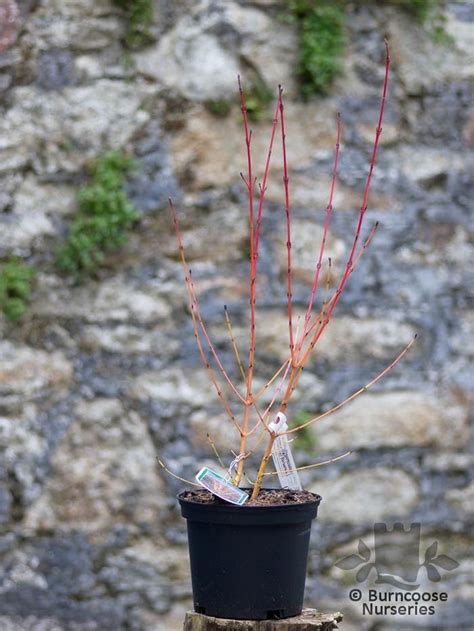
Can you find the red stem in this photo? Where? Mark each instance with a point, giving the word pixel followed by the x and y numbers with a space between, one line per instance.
pixel 270 405
pixel 253 268
pixel 263 188
pixel 355 394
pixel 363 208
pixel 327 220
pixel 354 264
pixel 195 304
pixel 288 228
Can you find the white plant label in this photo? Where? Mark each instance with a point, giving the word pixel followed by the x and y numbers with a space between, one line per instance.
pixel 219 486
pixel 282 456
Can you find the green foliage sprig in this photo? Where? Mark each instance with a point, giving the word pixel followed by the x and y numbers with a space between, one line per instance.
pixel 322 39
pixel 139 17
pixel 429 13
pixel 105 214
pixel 421 9
pixel 321 43
pixel 16 280
pixel 306 439
pixel 257 96
pixel 219 107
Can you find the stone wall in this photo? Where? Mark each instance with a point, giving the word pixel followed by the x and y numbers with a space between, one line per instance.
pixel 100 379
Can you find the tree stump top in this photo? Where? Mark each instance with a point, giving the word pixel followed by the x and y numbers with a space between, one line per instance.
pixel 309 620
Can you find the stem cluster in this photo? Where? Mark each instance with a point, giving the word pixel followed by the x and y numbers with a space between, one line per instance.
pixel 301 342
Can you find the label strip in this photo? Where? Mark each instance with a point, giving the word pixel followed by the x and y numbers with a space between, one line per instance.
pixel 283 457
pixel 219 486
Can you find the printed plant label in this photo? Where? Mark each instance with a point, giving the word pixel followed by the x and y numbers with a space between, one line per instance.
pixel 219 486
pixel 282 456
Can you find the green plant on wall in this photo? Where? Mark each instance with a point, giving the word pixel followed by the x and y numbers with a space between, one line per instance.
pixel 321 43
pixel 138 18
pixel 104 217
pixel 258 98
pixel 322 40
pixel 429 13
pixel 421 9
pixel 306 440
pixel 16 280
pixel 219 107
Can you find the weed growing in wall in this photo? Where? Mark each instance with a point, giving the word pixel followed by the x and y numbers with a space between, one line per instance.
pixel 138 18
pixel 104 217
pixel 421 9
pixel 219 107
pixel 430 15
pixel 305 439
pixel 321 44
pixel 322 38
pixel 259 98
pixel 16 280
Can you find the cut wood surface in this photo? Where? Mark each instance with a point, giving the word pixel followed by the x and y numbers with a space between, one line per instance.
pixel 309 620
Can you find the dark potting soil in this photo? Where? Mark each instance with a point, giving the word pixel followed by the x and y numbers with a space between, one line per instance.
pixel 266 497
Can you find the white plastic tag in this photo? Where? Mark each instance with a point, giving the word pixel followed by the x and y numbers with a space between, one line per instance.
pixel 282 456
pixel 219 486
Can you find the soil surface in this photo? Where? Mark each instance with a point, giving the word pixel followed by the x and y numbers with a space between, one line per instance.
pixel 266 497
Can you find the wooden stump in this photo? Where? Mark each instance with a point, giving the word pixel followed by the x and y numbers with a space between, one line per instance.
pixel 309 620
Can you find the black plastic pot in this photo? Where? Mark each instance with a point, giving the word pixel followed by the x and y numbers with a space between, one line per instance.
pixel 248 562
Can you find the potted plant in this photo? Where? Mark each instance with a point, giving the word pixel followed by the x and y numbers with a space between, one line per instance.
pixel 249 546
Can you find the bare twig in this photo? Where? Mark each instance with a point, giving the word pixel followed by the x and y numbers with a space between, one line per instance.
pixel 318 321
pixel 357 393
pixel 327 220
pixel 254 238
pixel 233 342
pixel 265 387
pixel 214 449
pixel 194 304
pixel 165 468
pixel 202 353
pixel 289 290
pixel 313 466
